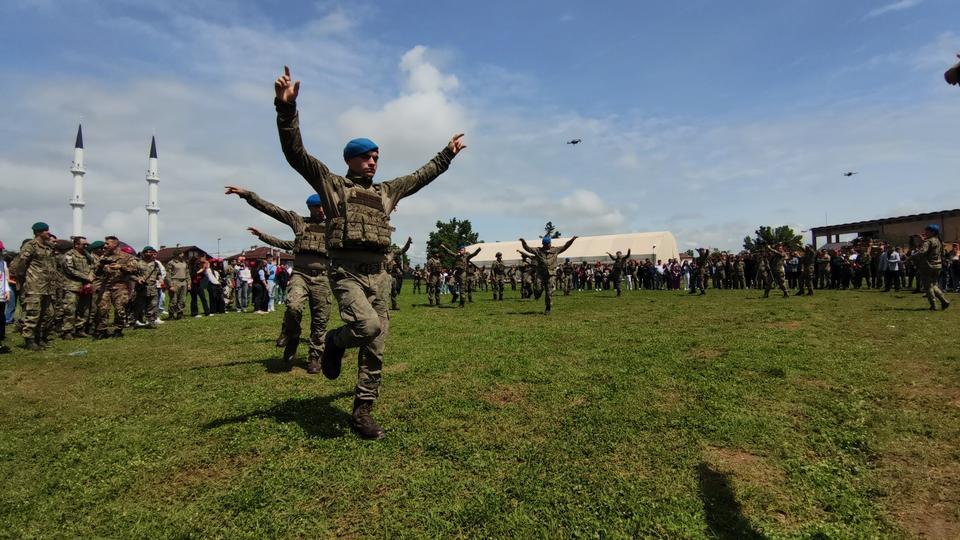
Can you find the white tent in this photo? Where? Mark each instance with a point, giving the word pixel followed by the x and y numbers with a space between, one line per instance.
pixel 648 245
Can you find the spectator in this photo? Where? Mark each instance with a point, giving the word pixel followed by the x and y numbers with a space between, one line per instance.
pixel 261 295
pixel 270 273
pixel 198 285
pixel 4 298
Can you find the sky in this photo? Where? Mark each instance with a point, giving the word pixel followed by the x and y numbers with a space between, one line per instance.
pixel 706 119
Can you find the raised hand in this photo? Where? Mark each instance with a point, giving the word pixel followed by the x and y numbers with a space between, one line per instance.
pixel 456 144
pixel 286 89
pixel 233 190
pixel 254 231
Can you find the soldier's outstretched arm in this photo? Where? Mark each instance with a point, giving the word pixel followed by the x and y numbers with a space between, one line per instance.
pixel 567 245
pixel 404 186
pixel 526 247
pixel 445 248
pixel 406 246
pixel 611 256
pixel 288 127
pixel 280 214
pixel 271 240
pixel 474 254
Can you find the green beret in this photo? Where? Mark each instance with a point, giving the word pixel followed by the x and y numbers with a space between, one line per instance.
pixel 40 227
pixel 95 245
pixel 146 249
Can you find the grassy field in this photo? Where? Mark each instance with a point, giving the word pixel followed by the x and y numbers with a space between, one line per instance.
pixel 655 414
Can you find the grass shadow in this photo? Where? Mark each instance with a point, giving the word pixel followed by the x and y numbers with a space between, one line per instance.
pixel 724 516
pixel 316 416
pixel 525 312
pixel 270 365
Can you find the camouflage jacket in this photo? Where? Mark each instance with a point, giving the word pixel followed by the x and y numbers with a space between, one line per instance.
pixel 117 267
pixel 36 267
pixel 77 269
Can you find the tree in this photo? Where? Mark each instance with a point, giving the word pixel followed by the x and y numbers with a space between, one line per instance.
pixel 551 231
pixel 769 236
pixel 452 234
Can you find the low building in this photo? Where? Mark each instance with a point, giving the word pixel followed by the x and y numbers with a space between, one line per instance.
pixel 896 230
pixel 164 254
pixel 261 253
pixel 647 245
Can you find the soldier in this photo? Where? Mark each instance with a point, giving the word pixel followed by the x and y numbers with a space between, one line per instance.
pixel 929 260
pixel 147 279
pixel 526 276
pixel 497 275
pixel 699 281
pixel 113 273
pixel 808 261
pixel 776 255
pixel 568 272
pixel 35 268
pixel 178 278
pixel 395 269
pixel 417 279
pixel 434 272
pixel 78 273
pixel 545 258
pixel 309 281
pixel 462 272
pixel 619 263
pixel 358 236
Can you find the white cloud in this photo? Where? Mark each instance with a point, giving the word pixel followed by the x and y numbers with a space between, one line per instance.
pixel 899 5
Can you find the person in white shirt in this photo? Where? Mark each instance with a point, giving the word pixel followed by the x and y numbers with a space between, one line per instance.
pixel 890 261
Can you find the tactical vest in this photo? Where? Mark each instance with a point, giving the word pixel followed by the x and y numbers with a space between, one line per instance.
pixel 363 223
pixel 312 239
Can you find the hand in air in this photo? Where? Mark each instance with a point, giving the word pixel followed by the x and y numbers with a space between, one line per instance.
pixel 456 144
pixel 286 89
pixel 233 190
pixel 254 231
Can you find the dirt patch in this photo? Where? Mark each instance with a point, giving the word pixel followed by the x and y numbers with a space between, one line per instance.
pixel 706 353
pixel 786 325
pixel 215 473
pixel 745 466
pixel 396 368
pixel 930 502
pixel 506 394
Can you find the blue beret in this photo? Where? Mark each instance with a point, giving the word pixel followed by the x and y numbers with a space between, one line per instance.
pixel 934 227
pixel 357 147
pixel 546 240
pixel 314 200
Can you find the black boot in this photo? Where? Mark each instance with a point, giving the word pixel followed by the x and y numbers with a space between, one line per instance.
pixel 282 341
pixel 290 349
pixel 332 359
pixel 314 366
pixel 362 423
pixel 32 345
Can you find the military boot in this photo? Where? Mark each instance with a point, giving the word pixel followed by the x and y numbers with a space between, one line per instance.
pixel 314 366
pixel 290 350
pixel 362 423
pixel 332 359
pixel 282 341
pixel 66 336
pixel 32 345
pixel 944 305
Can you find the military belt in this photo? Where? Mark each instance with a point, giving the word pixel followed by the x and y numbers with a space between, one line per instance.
pixel 309 272
pixel 361 268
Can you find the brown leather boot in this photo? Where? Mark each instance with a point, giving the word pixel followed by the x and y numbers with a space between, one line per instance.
pixel 313 366
pixel 362 423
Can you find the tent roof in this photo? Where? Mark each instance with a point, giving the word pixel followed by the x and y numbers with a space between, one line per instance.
pixel 660 244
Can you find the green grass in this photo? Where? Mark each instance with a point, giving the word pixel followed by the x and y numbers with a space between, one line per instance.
pixel 655 414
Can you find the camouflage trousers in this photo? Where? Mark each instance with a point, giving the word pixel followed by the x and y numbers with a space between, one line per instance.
pixel 806 280
pixel 176 298
pixel 71 318
pixel 363 303
pixel 567 284
pixel 433 290
pixel 38 314
pixel 395 285
pixel 549 284
pixel 314 291
pixel 929 278
pixel 146 305
pixel 775 276
pixel 464 285
pixel 497 287
pixel 116 296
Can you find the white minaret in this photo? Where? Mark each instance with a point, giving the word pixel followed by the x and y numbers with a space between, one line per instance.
pixel 78 171
pixel 153 188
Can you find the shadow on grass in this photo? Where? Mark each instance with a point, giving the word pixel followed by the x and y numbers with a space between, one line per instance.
pixel 724 517
pixel 271 365
pixel 538 312
pixel 316 416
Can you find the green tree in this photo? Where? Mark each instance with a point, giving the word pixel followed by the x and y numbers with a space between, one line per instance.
pixel 452 234
pixel 551 231
pixel 769 236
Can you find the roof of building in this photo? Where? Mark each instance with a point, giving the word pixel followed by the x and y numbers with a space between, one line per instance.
pixel 165 254
pixel 261 252
pixel 898 219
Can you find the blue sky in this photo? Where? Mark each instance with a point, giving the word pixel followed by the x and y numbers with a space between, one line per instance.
pixel 703 118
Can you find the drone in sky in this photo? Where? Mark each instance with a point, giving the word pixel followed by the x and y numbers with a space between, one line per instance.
pixel 575 141
pixel 849 173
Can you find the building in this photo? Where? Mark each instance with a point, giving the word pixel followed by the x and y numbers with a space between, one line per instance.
pixel 261 252
pixel 896 230
pixel 647 245
pixel 164 254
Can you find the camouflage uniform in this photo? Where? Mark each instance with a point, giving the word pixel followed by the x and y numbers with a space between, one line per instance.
pixel 463 273
pixel 309 281
pixel 545 259
pixel 929 260
pixel 114 271
pixel 395 269
pixel 178 277
pixel 434 274
pixel 616 275
pixel 35 267
pixel 497 275
pixel 78 271
pixel 567 278
pixel 147 292
pixel 358 236
pixel 807 271
pixel 775 269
